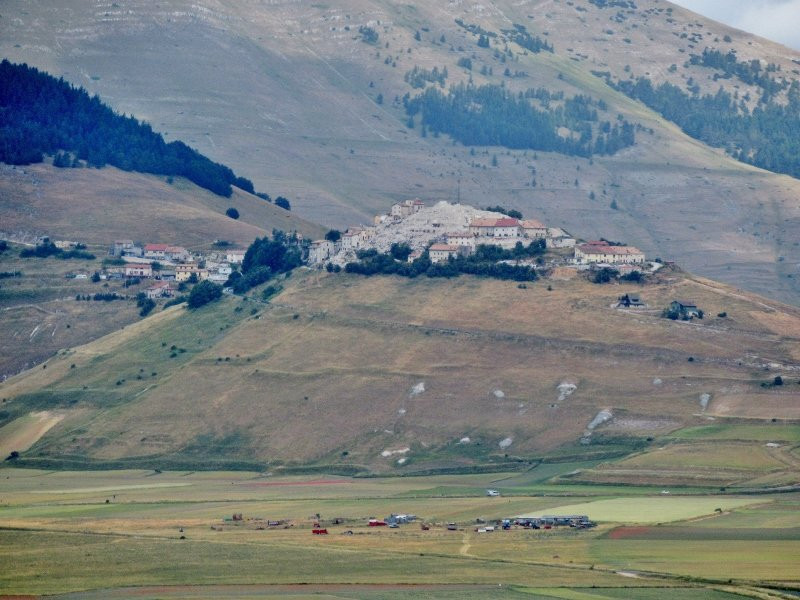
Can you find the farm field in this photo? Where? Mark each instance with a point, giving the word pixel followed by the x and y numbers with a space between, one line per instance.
pixel 173 533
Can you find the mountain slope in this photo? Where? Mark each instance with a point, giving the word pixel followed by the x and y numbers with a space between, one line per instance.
pixel 97 206
pixel 357 374
pixel 273 89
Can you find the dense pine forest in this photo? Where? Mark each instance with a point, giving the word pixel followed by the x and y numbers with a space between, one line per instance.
pixel 491 115
pixel 41 115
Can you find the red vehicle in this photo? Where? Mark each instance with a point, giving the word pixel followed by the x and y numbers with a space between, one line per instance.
pixel 376 523
pixel 319 531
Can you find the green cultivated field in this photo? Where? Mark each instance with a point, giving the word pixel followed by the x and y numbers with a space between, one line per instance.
pixel 760 433
pixel 107 531
pixel 649 510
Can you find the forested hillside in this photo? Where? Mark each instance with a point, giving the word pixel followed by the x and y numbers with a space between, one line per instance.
pixel 40 114
pixel 767 136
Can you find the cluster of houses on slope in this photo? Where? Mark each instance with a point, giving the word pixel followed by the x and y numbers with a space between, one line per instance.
pixel 169 263
pixel 460 237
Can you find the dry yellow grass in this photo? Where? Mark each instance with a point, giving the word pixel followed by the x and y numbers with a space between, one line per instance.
pixel 97 206
pixel 325 373
pixel 22 433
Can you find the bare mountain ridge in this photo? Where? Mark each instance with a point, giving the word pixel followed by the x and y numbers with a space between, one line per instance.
pixel 273 88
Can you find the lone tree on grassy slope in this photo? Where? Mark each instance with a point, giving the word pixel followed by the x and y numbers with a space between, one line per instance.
pixel 203 293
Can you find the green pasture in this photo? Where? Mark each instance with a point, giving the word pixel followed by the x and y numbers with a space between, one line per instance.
pixel 649 509
pixel 759 433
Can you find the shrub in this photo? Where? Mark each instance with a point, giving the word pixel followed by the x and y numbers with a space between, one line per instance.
pixel 146 307
pixel 334 235
pixel 203 293
pixel 633 277
pixel 232 213
pixel 604 275
pixel 283 203
pixel 400 251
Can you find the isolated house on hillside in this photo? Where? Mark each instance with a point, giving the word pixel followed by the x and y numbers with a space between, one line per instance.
pixel 685 308
pixel 631 301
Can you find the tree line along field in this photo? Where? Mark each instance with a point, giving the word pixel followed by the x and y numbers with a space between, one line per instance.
pixel 172 530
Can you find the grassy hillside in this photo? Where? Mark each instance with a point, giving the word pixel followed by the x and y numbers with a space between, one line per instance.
pixel 225 78
pixel 395 375
pixel 98 206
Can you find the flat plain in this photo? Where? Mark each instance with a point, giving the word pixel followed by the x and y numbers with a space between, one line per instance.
pixel 122 534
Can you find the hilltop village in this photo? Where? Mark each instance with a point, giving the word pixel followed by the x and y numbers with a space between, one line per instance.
pixel 440 233
pixel 447 231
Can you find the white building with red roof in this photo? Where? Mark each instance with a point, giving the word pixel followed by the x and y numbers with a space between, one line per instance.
pixel 155 251
pixel 603 252
pixel 504 227
pixel 507 227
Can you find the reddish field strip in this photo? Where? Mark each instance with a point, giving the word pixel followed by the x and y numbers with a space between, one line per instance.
pixel 286 483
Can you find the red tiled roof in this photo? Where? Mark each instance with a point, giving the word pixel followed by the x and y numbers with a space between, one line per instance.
pixel 156 247
pixel 506 222
pixel 445 248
